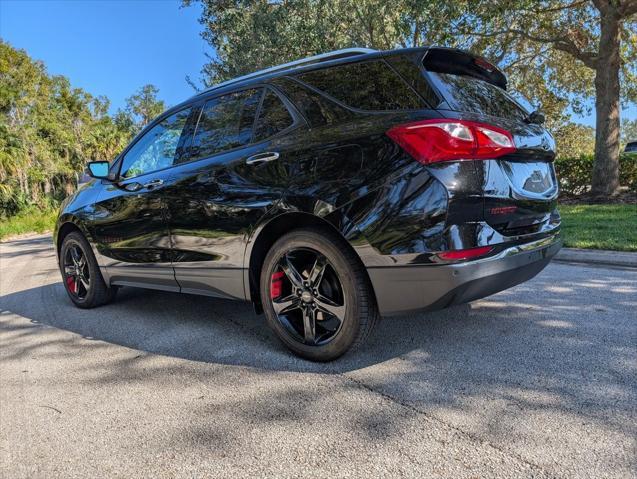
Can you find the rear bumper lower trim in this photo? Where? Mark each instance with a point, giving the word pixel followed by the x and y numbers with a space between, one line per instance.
pixel 403 289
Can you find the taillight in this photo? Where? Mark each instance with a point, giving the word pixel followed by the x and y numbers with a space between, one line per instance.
pixel 430 141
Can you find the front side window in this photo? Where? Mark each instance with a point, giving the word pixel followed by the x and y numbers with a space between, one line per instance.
pixel 225 123
pixel 158 147
pixel 274 117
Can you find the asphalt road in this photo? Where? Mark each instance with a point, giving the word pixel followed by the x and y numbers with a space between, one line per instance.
pixel 537 381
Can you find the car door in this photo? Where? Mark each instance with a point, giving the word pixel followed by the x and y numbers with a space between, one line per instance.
pixel 229 182
pixel 130 223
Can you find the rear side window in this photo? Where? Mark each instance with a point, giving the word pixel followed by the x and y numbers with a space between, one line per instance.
pixel 465 93
pixel 274 117
pixel 371 85
pixel 413 76
pixel 317 109
pixel 225 123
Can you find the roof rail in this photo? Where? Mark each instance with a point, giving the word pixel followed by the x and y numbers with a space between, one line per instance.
pixel 323 57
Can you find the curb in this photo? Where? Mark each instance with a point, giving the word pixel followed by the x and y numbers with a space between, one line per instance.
pixel 599 257
pixel 25 236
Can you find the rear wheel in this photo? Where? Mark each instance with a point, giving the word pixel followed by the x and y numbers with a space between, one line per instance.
pixel 316 295
pixel 81 275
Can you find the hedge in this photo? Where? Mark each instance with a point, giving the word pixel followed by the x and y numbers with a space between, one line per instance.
pixel 574 174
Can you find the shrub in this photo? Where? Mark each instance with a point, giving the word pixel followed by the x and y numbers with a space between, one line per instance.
pixel 575 173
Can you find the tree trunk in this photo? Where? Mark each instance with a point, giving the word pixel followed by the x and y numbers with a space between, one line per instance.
pixel 606 169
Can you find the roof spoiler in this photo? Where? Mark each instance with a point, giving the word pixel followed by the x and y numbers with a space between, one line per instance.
pixel 458 62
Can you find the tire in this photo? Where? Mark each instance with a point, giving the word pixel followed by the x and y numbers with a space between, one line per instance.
pixel 97 293
pixel 342 280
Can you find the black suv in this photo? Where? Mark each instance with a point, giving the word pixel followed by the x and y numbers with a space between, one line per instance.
pixel 327 191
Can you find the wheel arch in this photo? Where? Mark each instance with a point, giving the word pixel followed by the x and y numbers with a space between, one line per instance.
pixel 63 232
pixel 269 234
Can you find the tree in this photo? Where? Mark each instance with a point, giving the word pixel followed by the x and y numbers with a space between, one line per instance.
pixel 574 140
pixel 143 106
pixel 249 35
pixel 48 131
pixel 629 131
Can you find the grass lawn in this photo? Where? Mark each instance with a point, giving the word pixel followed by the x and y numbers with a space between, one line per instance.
pixel 611 227
pixel 32 220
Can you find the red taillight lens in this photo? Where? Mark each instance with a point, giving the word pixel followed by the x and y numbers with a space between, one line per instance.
pixel 430 141
pixel 460 254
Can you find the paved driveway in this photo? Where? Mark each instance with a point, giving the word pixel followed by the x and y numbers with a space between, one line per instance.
pixel 537 381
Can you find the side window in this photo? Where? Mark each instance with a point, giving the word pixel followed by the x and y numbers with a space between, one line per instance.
pixel 273 117
pixel 225 123
pixel 316 108
pixel 414 77
pixel 157 148
pixel 370 85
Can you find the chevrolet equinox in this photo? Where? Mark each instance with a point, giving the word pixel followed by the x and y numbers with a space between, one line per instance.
pixel 328 191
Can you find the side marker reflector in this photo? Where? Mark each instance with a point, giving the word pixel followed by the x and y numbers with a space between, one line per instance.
pixel 461 254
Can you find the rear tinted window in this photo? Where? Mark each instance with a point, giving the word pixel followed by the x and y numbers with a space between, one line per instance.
pixel 366 86
pixel 464 93
pixel 413 76
pixel 225 123
pixel 273 117
pixel 317 109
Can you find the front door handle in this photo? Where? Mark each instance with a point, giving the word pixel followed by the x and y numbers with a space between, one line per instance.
pixel 262 158
pixel 152 183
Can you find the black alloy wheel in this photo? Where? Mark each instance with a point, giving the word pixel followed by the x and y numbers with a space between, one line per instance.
pixel 316 294
pixel 77 276
pixel 81 274
pixel 307 296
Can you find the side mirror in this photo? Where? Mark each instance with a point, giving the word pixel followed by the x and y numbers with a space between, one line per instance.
pixel 99 169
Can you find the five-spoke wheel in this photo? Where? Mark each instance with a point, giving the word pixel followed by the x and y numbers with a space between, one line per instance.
pixel 316 294
pixel 76 271
pixel 307 296
pixel 81 275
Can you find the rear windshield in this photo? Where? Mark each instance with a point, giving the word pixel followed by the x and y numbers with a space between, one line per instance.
pixel 465 93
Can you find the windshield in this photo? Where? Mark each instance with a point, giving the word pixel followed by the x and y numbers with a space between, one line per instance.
pixel 465 93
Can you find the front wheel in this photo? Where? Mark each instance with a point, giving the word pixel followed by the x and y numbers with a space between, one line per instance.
pixel 316 294
pixel 81 274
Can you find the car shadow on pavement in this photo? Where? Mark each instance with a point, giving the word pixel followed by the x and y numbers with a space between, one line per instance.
pixel 536 337
pixel 215 330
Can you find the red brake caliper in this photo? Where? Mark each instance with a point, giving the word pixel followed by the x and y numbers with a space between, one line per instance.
pixel 70 282
pixel 276 284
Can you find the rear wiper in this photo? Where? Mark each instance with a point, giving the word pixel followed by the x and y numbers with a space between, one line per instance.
pixel 536 117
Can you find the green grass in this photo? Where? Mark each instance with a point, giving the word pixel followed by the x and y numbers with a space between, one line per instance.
pixel 32 220
pixel 612 227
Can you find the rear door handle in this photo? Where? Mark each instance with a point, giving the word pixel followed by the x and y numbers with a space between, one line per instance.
pixel 262 158
pixel 153 183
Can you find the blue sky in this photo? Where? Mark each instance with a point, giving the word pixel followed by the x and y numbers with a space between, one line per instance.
pixel 113 47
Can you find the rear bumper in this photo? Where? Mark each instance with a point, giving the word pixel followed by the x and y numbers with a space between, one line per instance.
pixel 400 289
